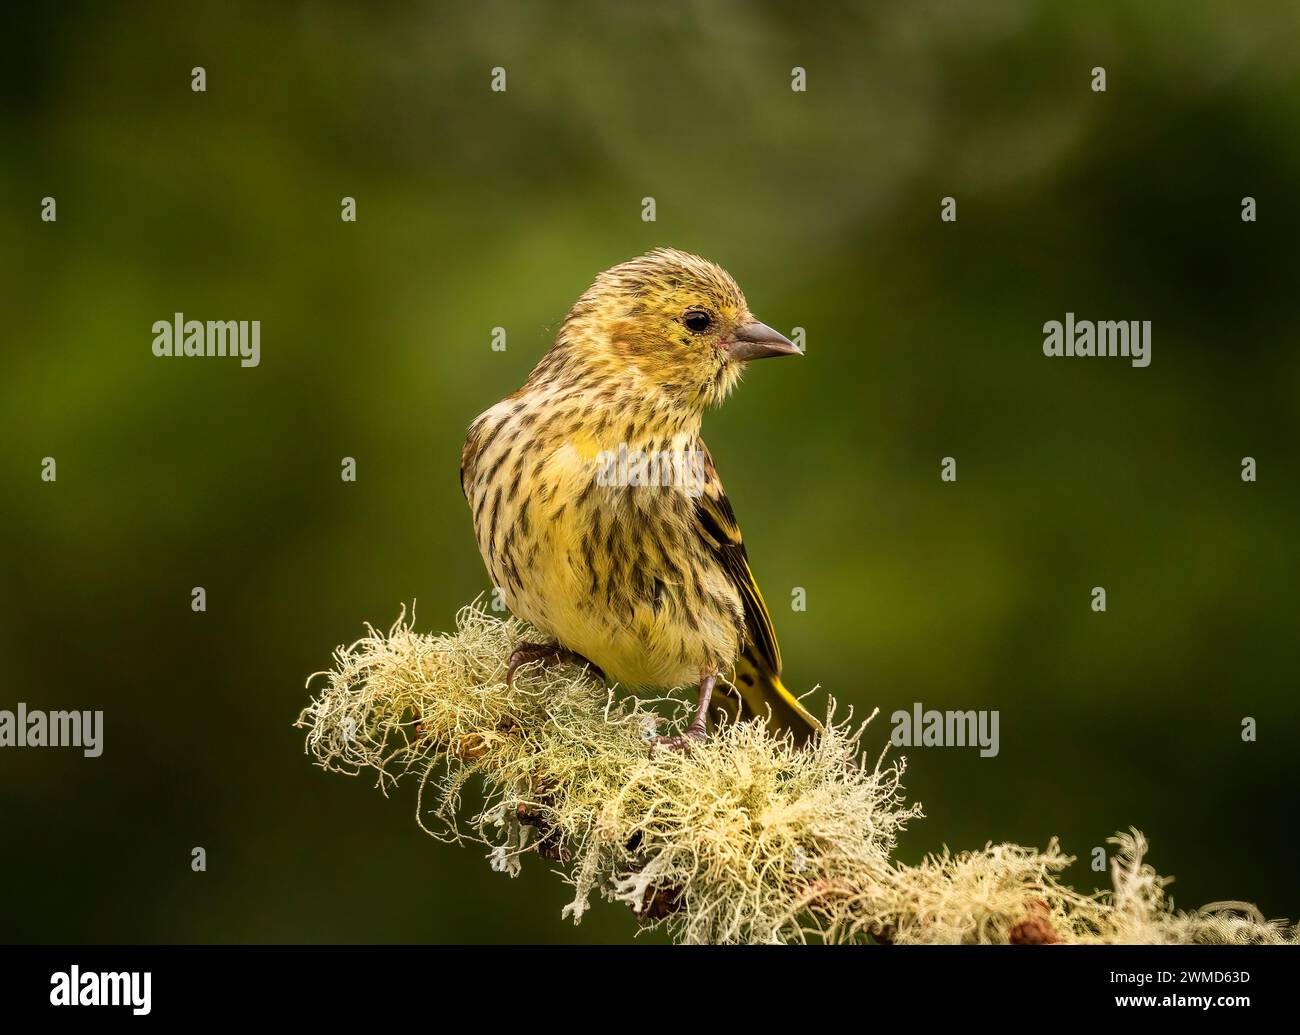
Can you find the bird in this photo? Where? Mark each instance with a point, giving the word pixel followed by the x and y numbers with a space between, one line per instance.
pixel 599 511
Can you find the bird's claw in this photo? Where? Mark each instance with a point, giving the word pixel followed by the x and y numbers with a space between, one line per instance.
pixel 548 654
pixel 683 742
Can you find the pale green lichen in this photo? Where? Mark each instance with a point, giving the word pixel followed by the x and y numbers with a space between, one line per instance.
pixel 742 839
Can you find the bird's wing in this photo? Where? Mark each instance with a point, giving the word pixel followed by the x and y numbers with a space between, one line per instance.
pixel 721 531
pixel 757 675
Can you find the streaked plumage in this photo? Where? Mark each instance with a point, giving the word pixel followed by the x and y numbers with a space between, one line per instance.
pixel 650 582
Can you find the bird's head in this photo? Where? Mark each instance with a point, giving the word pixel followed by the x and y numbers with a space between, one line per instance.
pixel 672 323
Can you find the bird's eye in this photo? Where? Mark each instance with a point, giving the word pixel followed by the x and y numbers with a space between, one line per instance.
pixel 698 320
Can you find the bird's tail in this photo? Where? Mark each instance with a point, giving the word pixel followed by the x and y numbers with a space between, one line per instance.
pixel 756 690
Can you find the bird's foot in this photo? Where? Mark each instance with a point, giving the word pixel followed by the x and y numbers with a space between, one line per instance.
pixel 682 742
pixel 548 654
pixel 697 732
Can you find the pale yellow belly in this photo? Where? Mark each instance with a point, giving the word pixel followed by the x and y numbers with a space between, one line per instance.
pixel 619 575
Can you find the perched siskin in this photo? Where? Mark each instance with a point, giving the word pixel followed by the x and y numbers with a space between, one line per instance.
pixel 597 507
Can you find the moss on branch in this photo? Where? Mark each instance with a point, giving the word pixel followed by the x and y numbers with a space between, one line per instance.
pixel 742 839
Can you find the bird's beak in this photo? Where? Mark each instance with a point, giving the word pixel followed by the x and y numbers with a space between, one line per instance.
pixel 756 340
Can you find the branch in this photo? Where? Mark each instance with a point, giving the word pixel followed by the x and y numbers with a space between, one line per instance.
pixel 743 839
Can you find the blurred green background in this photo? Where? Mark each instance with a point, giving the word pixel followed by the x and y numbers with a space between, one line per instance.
pixel 479 209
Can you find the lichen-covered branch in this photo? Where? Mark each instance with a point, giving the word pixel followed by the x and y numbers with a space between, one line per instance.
pixel 742 839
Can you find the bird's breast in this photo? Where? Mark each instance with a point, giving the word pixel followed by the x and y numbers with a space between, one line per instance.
pixel 593 540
